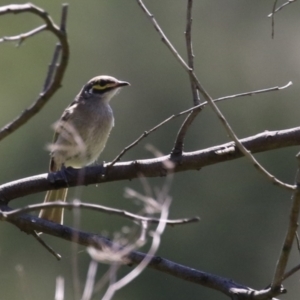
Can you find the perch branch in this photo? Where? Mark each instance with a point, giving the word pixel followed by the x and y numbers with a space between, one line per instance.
pixel 265 141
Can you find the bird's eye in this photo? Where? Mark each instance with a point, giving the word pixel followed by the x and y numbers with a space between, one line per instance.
pixel 102 82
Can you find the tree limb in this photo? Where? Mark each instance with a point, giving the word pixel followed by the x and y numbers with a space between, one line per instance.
pixel 265 141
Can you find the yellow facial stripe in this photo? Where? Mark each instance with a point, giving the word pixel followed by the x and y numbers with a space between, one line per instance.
pixel 103 87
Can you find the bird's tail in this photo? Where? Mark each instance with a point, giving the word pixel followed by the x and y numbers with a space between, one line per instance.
pixel 54 214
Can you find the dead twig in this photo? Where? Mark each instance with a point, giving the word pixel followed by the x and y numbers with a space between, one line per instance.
pixel 213 106
pixel 45 245
pixel 55 84
pixel 280 7
pixel 105 209
pixel 179 142
pixel 290 235
pixel 198 107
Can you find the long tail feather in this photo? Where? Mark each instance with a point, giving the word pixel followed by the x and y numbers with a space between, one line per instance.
pixel 54 214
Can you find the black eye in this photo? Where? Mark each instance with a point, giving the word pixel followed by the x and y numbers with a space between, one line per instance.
pixel 102 82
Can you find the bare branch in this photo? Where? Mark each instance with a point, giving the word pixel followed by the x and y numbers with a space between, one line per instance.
pixel 105 209
pixel 198 107
pixel 290 235
pixel 179 142
pixel 23 36
pixel 224 285
pixel 164 37
pixel 149 255
pixel 189 47
pixel 291 272
pixel 273 18
pixel 280 7
pixel 48 248
pixel 213 106
pixel 265 141
pixel 57 79
pixel 52 67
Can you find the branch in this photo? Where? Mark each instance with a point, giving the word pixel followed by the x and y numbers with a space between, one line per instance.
pixel 226 286
pixel 179 143
pixel 265 141
pixel 273 18
pixel 105 209
pixel 23 36
pixel 290 235
pixel 281 7
pixel 198 107
pixel 213 106
pixel 189 47
pixel 61 35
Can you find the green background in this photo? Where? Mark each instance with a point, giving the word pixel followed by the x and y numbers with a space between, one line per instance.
pixel 243 216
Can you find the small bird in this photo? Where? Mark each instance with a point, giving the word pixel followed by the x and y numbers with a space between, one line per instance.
pixel 81 134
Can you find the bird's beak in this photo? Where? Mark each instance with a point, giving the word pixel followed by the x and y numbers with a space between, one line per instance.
pixel 122 83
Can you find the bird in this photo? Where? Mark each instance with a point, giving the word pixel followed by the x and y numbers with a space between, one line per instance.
pixel 81 133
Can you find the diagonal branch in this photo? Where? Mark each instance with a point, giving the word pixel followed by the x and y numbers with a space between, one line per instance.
pixel 281 7
pixel 198 107
pixel 290 234
pixel 61 35
pixel 213 106
pixel 224 285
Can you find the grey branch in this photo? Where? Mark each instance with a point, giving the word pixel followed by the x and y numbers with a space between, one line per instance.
pixel 265 141
pixel 212 104
pixel 55 84
pixel 198 107
pixel 179 142
pixel 224 285
pixel 290 234
pixel 105 209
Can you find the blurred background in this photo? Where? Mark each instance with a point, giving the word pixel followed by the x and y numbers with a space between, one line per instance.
pixel 243 216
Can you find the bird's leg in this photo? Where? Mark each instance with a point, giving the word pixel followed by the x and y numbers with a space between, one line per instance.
pixel 64 171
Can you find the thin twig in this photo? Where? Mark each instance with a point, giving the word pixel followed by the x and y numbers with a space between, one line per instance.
pixel 273 18
pixel 298 242
pixel 198 107
pixel 290 234
pixel 52 67
pixel 90 280
pixel 108 210
pixel 23 36
pixel 213 106
pixel 179 142
pixel 48 248
pixel 281 7
pixel 190 52
pixel 63 19
pixel 42 99
pixel 60 288
pixel 291 272
pixel 156 238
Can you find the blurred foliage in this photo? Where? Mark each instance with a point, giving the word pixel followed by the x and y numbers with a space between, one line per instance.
pixel 243 217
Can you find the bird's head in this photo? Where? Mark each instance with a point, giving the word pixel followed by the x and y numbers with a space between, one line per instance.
pixel 104 87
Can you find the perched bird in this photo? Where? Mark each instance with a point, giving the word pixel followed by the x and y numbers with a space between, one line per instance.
pixel 81 133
